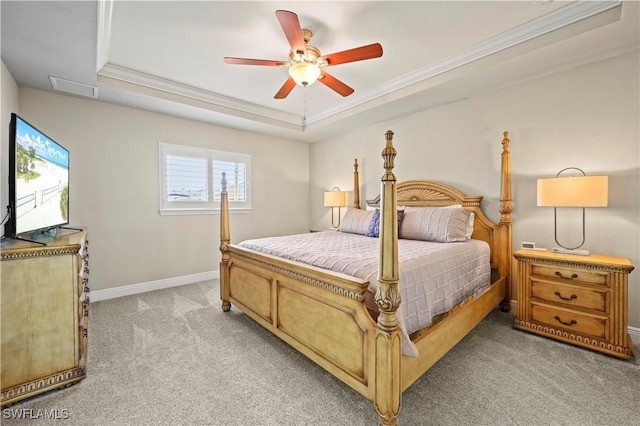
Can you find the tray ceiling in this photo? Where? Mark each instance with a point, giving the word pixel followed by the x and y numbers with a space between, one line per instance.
pixel 167 56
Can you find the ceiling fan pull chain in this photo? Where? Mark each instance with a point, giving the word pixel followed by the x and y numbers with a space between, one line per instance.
pixel 306 107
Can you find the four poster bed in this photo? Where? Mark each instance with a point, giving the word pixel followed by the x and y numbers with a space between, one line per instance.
pixel 354 320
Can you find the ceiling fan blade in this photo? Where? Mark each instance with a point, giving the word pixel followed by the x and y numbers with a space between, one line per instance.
pixel 335 84
pixel 286 88
pixel 291 27
pixel 361 53
pixel 264 62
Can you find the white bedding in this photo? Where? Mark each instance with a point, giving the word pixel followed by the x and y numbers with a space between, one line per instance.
pixel 434 277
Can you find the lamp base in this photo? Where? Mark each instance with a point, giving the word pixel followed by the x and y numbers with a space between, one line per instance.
pixel 569 251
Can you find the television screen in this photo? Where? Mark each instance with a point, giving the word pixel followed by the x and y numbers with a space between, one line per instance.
pixel 38 180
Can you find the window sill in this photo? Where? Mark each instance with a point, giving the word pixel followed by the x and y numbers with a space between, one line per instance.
pixel 195 211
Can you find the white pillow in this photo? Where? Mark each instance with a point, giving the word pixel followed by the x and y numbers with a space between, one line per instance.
pixel 444 225
pixel 472 217
pixel 356 221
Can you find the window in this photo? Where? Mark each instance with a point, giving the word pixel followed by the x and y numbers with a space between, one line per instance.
pixel 190 179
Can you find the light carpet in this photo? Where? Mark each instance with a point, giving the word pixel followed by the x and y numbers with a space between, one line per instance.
pixel 172 357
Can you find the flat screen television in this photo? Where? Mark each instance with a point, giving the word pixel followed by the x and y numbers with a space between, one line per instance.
pixel 38 181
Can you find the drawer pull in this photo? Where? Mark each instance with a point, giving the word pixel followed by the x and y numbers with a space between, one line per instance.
pixel 573 276
pixel 572 322
pixel 573 296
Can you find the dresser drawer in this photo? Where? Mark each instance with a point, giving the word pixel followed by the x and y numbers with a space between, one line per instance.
pixel 570 274
pixel 577 322
pixel 589 298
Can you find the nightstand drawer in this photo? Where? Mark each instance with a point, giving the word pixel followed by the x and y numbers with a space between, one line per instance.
pixel 570 274
pixel 570 295
pixel 575 299
pixel 577 322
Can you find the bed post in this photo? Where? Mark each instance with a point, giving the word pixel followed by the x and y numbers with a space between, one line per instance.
pixel 356 186
pixel 224 245
pixel 506 207
pixel 388 346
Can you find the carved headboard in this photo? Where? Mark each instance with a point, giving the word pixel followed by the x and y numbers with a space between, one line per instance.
pixel 424 193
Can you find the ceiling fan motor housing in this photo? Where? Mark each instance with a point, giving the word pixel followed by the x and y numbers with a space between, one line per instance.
pixel 311 55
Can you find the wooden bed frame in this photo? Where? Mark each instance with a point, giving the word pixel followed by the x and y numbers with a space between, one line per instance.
pixel 323 314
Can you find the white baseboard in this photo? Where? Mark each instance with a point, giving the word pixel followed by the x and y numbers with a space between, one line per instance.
pixel 634 332
pixel 128 290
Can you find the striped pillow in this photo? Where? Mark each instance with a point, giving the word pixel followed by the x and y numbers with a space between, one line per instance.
pixel 443 225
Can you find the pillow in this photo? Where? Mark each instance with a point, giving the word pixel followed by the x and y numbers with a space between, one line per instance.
pixel 472 217
pixel 356 221
pixel 443 225
pixel 374 225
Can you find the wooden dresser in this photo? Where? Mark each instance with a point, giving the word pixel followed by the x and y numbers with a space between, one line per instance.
pixel 44 309
pixel 577 299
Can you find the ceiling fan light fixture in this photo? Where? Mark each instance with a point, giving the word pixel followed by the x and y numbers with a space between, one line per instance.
pixel 304 73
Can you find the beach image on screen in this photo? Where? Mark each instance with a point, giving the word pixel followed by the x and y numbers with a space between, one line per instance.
pixel 42 183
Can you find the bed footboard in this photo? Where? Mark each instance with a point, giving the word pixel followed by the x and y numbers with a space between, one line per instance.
pixel 304 307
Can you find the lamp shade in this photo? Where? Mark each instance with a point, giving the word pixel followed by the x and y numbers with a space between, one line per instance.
pixel 304 73
pixel 335 199
pixel 573 191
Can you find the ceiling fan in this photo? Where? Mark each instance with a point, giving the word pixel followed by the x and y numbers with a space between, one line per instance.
pixel 305 61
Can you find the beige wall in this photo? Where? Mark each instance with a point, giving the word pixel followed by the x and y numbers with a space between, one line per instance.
pixel 114 187
pixel 9 91
pixel 587 117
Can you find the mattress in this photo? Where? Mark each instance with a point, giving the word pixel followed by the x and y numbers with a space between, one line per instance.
pixel 434 277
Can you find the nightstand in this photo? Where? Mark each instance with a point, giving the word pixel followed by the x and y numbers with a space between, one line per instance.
pixel 580 300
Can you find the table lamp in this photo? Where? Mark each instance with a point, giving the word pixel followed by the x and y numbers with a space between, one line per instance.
pixel 572 191
pixel 335 198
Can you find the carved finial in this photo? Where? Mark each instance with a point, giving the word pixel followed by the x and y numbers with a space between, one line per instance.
pixel 389 154
pixel 223 182
pixel 356 185
pixel 505 142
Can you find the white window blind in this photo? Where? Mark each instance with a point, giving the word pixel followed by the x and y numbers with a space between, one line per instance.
pixel 186 178
pixel 190 179
pixel 236 175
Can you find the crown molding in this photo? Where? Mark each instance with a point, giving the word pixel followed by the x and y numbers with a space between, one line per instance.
pixel 545 24
pixel 125 78
pixel 148 84
pixel 105 12
pixel 410 83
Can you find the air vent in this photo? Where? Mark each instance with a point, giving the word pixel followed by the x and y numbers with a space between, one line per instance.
pixel 73 87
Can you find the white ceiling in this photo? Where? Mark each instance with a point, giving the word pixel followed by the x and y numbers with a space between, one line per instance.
pixel 166 56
